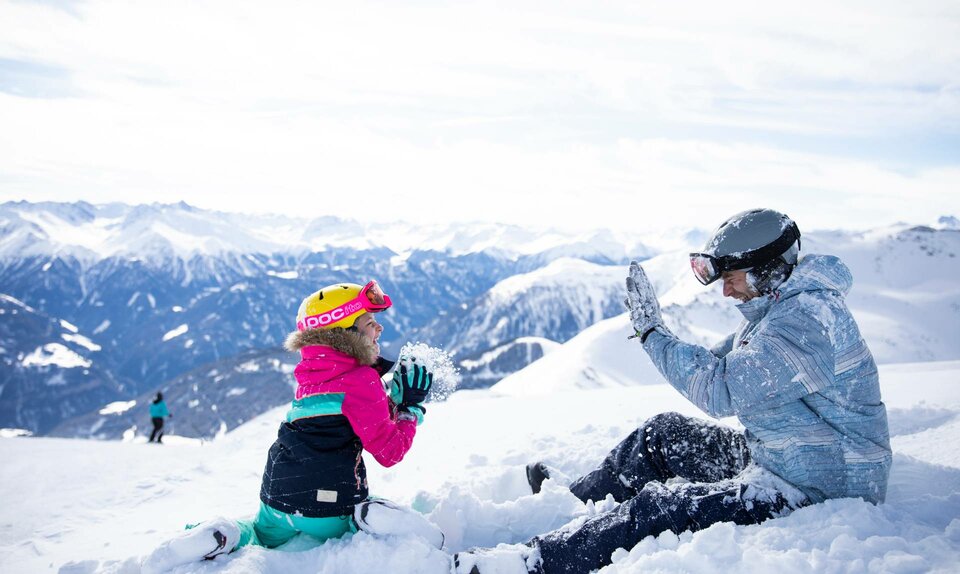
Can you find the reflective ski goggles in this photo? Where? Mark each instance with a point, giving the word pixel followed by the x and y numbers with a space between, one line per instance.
pixel 706 267
pixel 373 298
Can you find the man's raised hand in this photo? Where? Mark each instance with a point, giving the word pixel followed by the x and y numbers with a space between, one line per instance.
pixel 642 302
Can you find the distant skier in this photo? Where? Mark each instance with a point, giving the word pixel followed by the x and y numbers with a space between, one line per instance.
pixel 158 412
pixel 315 481
pixel 796 372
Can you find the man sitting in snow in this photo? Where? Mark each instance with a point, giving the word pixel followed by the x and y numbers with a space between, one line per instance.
pixel 798 375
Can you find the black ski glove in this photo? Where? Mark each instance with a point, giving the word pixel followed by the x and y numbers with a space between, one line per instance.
pixel 415 383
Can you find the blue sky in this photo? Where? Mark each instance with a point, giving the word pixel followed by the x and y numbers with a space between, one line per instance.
pixel 575 114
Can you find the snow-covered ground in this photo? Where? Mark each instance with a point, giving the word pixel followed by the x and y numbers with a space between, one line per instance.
pixel 81 507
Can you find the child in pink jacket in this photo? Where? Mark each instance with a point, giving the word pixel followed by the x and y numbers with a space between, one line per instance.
pixel 315 480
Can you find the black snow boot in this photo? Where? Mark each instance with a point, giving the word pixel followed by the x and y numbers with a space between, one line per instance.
pixel 537 473
pixel 500 560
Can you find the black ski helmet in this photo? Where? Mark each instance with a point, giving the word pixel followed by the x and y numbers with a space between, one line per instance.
pixel 764 242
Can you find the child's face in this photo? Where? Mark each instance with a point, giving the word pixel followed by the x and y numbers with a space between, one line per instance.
pixel 369 328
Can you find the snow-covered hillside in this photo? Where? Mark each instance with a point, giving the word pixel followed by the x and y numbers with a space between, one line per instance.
pixel 82 507
pixel 906 293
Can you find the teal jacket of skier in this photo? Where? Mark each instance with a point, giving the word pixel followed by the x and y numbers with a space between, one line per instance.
pixel 799 376
pixel 158 410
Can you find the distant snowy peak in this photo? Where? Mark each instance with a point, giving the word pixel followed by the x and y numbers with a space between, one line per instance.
pixel 566 273
pixel 898 256
pixel 161 231
pixel 146 232
pixel 948 222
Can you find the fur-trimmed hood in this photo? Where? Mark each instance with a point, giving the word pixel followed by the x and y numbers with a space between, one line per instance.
pixel 349 342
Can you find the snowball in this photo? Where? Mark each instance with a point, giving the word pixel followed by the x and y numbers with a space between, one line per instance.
pixel 446 377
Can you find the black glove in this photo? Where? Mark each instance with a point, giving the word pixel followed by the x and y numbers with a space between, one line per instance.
pixel 415 383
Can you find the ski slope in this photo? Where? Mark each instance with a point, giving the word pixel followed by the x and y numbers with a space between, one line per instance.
pixel 84 507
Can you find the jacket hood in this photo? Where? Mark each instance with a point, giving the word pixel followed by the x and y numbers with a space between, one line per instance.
pixel 813 273
pixel 818 273
pixel 348 342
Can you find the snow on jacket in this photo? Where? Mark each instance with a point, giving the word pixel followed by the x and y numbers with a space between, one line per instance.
pixel 315 467
pixel 801 379
pixel 158 410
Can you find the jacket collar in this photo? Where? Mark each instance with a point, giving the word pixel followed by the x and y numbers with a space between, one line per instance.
pixel 348 342
pixel 754 309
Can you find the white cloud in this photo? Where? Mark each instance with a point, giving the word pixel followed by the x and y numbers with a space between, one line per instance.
pixel 374 110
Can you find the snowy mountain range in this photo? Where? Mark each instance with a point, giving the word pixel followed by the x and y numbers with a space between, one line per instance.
pixel 156 232
pixel 196 303
pixel 164 290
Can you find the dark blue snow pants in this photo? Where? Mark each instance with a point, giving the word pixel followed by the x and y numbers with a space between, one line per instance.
pixel 666 446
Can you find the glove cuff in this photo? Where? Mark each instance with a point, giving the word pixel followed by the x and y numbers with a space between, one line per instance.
pixel 658 328
pixel 645 334
pixel 411 413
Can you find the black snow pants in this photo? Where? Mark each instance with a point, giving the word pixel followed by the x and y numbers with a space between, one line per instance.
pixel 157 429
pixel 666 446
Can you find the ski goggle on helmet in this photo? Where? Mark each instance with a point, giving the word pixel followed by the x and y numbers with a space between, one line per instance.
pixel 340 305
pixel 746 240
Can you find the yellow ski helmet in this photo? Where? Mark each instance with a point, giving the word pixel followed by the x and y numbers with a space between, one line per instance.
pixel 340 305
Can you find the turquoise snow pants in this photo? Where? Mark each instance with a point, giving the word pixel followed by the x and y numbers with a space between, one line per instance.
pixel 271 528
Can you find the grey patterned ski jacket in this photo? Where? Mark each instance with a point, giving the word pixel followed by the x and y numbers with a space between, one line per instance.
pixel 799 376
